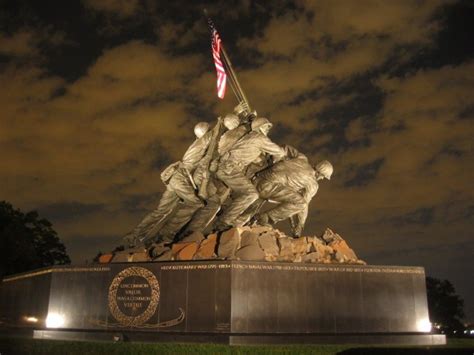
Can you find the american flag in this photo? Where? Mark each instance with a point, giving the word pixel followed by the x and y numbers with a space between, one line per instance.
pixel 216 54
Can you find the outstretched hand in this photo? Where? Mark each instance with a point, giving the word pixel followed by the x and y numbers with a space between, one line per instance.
pixel 291 152
pixel 242 108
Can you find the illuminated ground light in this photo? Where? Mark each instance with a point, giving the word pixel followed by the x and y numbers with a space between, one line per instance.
pixel 423 325
pixel 54 320
pixel 31 319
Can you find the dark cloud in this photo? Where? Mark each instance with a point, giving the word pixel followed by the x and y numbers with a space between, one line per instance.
pixel 468 113
pixel 452 45
pixel 119 8
pixel 78 249
pixel 162 158
pixel 363 175
pixel 282 133
pixel 421 216
pixel 140 204
pixel 459 210
pixel 68 210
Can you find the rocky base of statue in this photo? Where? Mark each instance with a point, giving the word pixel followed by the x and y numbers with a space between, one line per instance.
pixel 255 243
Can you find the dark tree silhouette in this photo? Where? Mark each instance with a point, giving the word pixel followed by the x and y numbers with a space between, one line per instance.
pixel 27 241
pixel 445 306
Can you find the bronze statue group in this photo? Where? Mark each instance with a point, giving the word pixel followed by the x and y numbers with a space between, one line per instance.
pixel 225 179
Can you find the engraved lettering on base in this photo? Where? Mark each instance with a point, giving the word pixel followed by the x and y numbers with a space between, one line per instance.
pixel 133 296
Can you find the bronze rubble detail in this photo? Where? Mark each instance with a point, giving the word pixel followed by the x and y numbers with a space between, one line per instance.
pixel 249 244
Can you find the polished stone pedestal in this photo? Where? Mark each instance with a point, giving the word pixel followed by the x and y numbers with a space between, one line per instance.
pixel 232 302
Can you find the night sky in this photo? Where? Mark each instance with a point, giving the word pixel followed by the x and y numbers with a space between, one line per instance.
pixel 96 97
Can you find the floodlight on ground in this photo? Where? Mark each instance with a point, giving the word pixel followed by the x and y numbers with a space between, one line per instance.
pixel 54 320
pixel 423 325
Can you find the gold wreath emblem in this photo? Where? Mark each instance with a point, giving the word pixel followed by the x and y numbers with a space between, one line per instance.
pixel 134 321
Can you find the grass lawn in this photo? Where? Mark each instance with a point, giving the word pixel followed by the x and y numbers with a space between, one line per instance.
pixel 10 346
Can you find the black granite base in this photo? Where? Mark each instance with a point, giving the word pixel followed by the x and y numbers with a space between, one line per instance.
pixel 232 302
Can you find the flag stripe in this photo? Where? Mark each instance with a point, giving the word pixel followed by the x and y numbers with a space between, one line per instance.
pixel 216 54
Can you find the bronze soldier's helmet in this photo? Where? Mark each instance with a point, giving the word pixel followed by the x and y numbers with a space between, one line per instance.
pixel 201 129
pixel 261 123
pixel 325 169
pixel 231 121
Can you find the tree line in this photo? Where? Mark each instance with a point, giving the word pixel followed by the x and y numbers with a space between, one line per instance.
pixel 27 241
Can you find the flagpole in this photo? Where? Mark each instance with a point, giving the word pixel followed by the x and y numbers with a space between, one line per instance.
pixel 232 83
pixel 234 78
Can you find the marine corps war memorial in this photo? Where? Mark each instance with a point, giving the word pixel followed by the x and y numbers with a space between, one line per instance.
pixel 209 263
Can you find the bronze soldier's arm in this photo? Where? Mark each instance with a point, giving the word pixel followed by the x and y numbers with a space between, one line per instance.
pixel 197 151
pixel 310 190
pixel 267 146
pixel 210 155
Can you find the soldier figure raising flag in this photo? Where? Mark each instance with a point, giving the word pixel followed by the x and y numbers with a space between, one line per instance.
pixel 229 173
